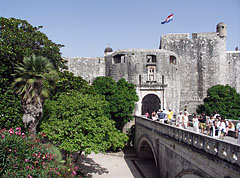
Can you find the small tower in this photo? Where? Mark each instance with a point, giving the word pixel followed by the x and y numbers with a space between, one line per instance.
pixel 108 50
pixel 222 29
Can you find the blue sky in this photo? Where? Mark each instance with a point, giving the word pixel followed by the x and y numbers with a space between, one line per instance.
pixel 86 27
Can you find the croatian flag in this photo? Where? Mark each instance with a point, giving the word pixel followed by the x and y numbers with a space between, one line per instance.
pixel 168 19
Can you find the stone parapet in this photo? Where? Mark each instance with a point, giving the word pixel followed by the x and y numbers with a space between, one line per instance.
pixel 214 148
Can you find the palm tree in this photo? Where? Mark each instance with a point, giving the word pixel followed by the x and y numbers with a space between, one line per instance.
pixel 33 79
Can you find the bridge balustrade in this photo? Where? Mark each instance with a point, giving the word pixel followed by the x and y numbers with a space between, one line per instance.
pixel 213 146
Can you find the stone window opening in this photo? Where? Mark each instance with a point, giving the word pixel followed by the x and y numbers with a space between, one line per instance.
pixel 151 58
pixel 173 60
pixel 119 58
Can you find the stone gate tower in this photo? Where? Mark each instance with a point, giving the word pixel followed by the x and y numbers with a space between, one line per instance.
pixel 176 76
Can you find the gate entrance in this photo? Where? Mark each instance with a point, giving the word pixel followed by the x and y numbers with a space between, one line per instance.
pixel 150 103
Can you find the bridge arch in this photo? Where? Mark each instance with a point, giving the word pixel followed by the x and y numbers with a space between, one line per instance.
pixel 150 102
pixel 191 174
pixel 146 151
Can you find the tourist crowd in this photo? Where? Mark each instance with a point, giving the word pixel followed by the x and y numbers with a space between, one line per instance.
pixel 213 125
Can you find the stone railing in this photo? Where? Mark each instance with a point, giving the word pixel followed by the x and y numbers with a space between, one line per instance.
pixel 229 152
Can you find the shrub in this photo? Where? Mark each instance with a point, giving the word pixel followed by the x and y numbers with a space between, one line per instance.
pixel 77 122
pixel 24 156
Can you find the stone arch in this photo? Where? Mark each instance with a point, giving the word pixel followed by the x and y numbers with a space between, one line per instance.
pixel 191 174
pixel 150 103
pixel 146 151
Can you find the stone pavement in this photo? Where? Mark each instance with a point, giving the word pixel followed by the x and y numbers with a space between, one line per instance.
pixel 108 166
pixel 122 164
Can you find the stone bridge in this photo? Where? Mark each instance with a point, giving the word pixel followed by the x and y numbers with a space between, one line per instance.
pixel 180 153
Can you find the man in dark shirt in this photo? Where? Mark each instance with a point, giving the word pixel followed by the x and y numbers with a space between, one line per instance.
pixel 202 120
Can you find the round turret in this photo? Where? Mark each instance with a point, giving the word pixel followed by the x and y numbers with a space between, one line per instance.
pixel 108 50
pixel 222 29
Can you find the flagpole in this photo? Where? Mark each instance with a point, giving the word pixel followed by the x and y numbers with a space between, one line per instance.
pixel 173 26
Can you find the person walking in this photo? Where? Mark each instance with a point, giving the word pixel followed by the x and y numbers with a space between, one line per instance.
pixel 185 120
pixel 202 120
pixel 179 119
pixel 195 124
pixel 222 129
pixel 170 116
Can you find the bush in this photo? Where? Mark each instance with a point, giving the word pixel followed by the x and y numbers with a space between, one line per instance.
pixel 77 122
pixel 24 156
pixel 10 109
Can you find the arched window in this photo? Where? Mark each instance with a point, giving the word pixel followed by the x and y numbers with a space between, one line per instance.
pixel 173 60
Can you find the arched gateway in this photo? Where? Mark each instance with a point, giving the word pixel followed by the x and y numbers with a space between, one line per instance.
pixel 150 103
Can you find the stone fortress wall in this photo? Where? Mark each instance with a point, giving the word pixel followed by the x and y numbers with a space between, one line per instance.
pixel 178 73
pixel 233 58
pixel 86 67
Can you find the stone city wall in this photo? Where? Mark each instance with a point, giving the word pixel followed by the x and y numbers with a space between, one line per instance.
pixel 87 68
pixel 233 58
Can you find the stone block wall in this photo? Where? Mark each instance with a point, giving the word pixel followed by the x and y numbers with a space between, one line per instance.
pixel 87 68
pixel 202 64
pixel 134 68
pixel 233 58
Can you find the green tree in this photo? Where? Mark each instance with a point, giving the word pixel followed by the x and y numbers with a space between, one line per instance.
pixel 222 99
pixel 122 97
pixel 18 39
pixel 76 122
pixel 67 82
pixel 34 77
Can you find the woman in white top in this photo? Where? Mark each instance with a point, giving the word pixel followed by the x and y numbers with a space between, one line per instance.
pixel 195 124
pixel 179 120
pixel 154 116
pixel 185 120
pixel 222 129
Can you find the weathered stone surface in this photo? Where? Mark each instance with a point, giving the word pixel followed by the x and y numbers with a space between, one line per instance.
pixel 178 152
pixel 87 68
pixel 188 66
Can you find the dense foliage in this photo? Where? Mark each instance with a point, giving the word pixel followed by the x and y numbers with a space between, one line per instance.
pixel 77 122
pixel 222 99
pixel 10 109
pixel 19 39
pixel 23 156
pixel 122 97
pixel 10 104
pixel 67 82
